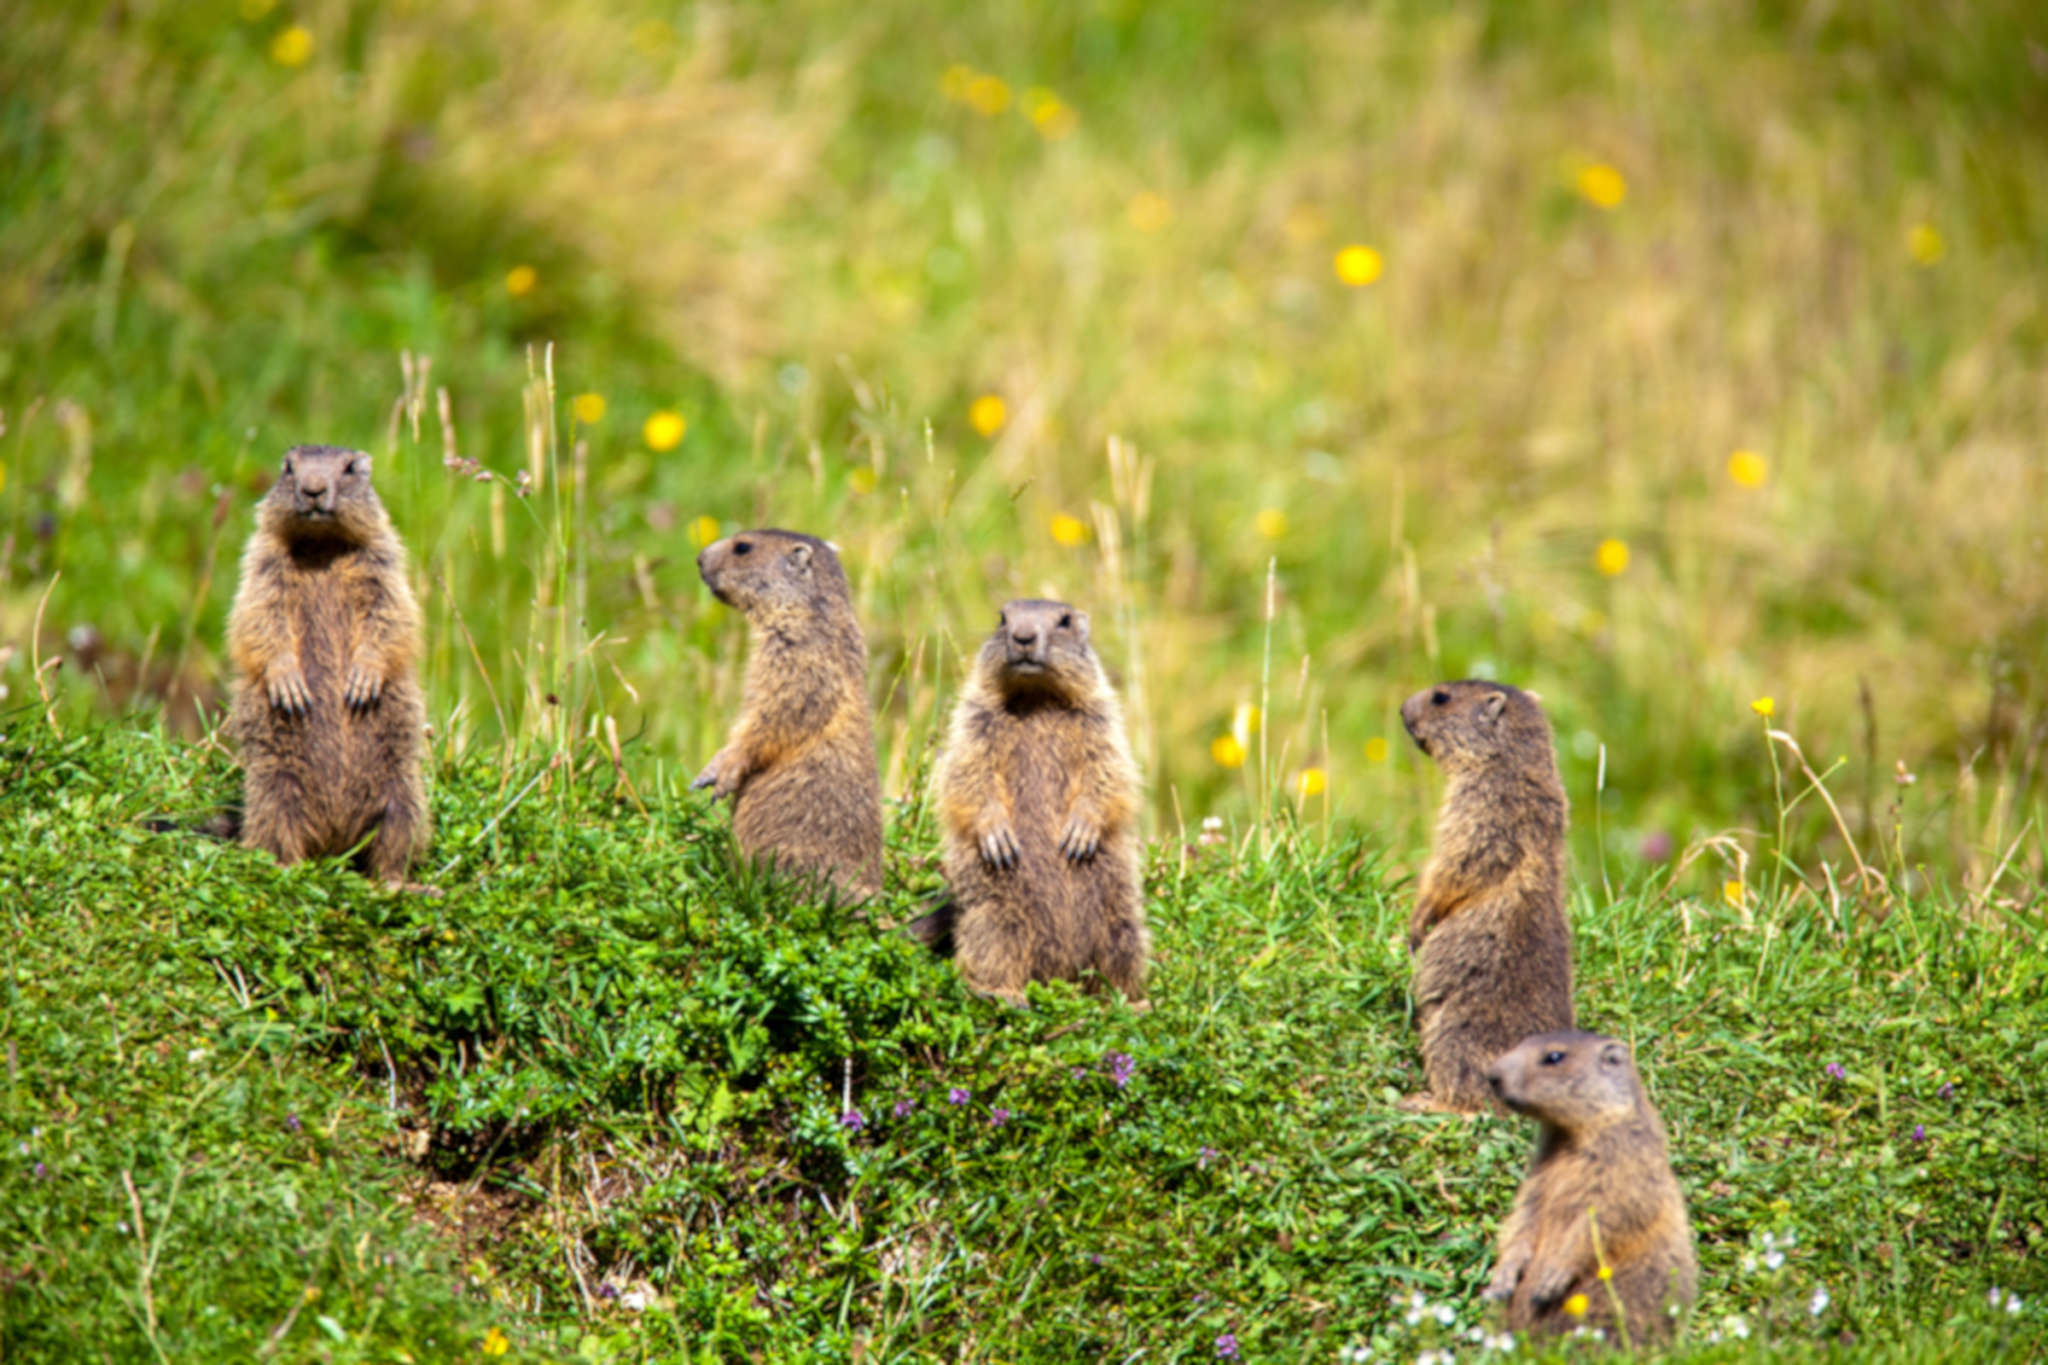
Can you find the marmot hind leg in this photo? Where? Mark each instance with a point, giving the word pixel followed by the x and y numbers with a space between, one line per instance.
pixel 274 816
pixel 1121 959
pixel 401 836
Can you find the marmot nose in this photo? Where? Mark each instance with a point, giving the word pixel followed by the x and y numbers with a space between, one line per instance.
pixel 1494 1079
pixel 1024 637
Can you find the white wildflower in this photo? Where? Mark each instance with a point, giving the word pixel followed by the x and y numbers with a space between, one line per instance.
pixel 1773 1259
pixel 1445 1314
pixel 633 1300
pixel 2012 1303
pixel 1820 1302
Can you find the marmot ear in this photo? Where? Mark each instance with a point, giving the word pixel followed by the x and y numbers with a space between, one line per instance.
pixel 1081 626
pixel 1614 1054
pixel 1495 703
pixel 800 556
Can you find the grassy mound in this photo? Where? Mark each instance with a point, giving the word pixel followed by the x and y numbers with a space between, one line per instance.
pixel 607 1098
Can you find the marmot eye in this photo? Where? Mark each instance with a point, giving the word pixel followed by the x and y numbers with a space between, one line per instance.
pixel 1440 697
pixel 350 468
pixel 1002 618
pixel 1066 621
pixel 1552 1058
pixel 740 547
pixel 288 469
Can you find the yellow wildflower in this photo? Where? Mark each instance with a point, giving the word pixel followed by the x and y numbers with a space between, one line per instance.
pixel 1765 707
pixel 664 430
pixel 1272 522
pixel 988 95
pixel 1731 891
pixel 588 407
pixel 704 529
pixel 953 84
pixel 1148 211
pixel 988 413
pixel 496 1343
pixel 1376 750
pixel 1611 557
pixel 1748 468
pixel 1602 186
pixel 520 280
pixel 1311 782
pixel 1050 114
pixel 1576 1305
pixel 1359 265
pixel 1606 1272
pixel 1069 531
pixel 3 478
pixel 292 46
pixel 861 479
pixel 1227 751
pixel 1924 244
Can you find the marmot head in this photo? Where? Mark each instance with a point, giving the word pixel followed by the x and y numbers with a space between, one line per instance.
pixel 1041 646
pixel 1573 1081
pixel 773 572
pixel 1476 723
pixel 323 493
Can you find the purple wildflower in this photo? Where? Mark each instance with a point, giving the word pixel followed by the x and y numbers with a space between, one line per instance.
pixel 1834 1069
pixel 42 1171
pixel 291 1121
pixel 1204 1157
pixel 1078 1072
pixel 1094 1258
pixel 852 1121
pixel 998 1117
pixel 1121 1068
pixel 904 1108
pixel 958 1096
pixel 607 1291
pixel 1919 1132
pixel 1947 1091
pixel 1656 846
pixel 1226 1347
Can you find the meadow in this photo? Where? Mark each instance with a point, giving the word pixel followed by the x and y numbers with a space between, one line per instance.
pixel 1683 362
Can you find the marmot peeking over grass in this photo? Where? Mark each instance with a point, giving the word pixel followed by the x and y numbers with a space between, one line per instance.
pixel 1601 1172
pixel 800 762
pixel 1038 803
pixel 1493 952
pixel 325 639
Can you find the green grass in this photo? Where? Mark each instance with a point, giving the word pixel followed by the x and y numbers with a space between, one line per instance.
pixel 621 1068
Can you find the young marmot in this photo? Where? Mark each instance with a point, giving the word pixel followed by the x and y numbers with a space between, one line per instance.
pixel 800 762
pixel 1038 799
pixel 1492 949
pixel 325 638
pixel 1601 1171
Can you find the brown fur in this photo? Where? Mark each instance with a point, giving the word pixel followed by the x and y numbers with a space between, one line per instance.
pixel 800 761
pixel 1601 1163
pixel 1492 948
pixel 1038 804
pixel 325 639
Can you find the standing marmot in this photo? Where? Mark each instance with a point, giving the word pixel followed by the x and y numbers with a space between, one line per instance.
pixel 325 638
pixel 1038 797
pixel 1601 1169
pixel 1493 953
pixel 800 762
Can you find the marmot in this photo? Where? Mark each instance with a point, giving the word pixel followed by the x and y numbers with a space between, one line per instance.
pixel 325 639
pixel 1492 949
pixel 1601 1170
pixel 800 762
pixel 1038 799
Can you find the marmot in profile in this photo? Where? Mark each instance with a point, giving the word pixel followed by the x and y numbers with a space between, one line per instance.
pixel 1493 952
pixel 1038 801
pixel 1602 1169
pixel 325 639
pixel 800 762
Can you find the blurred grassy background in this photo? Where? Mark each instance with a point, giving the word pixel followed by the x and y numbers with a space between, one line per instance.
pixel 1425 304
